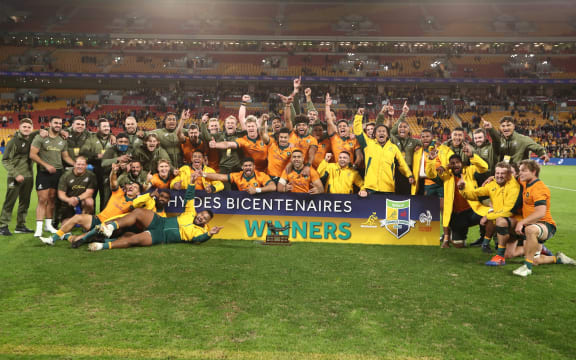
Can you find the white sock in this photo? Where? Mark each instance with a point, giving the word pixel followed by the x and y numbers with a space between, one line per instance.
pixel 48 223
pixel 39 224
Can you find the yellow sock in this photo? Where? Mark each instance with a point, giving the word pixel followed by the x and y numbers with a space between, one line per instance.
pixel 60 233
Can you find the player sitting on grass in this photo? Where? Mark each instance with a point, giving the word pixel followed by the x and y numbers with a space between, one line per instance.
pixel 187 227
pixel 537 223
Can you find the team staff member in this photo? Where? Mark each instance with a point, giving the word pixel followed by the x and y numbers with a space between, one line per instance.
pixel 169 136
pixel 78 138
pixel 339 177
pixel 251 144
pixel 401 137
pixel 229 158
pixel 131 129
pixel 188 227
pixel 48 153
pixel 537 223
pixel 380 156
pixel 296 181
pixel 120 203
pixel 18 166
pixel 97 146
pixel 515 147
pixel 75 188
pixel 249 179
pixel 149 153
pixel 134 174
pixel 121 153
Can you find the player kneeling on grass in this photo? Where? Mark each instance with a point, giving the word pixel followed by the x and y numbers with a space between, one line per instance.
pixel 503 191
pixel 188 227
pixel 537 223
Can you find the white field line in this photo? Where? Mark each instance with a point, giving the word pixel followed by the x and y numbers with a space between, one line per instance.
pixel 561 188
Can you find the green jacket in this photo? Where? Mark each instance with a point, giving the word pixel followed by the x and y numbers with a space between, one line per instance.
pixel 95 145
pixel 135 141
pixel 77 144
pixel 111 156
pixel 16 157
pixel 171 143
pixel 230 158
pixel 518 148
pixel 149 160
pixel 489 151
pixel 459 151
pixel 127 177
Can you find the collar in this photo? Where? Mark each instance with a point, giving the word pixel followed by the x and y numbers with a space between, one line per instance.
pixel 532 183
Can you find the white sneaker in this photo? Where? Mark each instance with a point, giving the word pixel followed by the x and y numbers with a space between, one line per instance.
pixel 95 246
pixel 51 229
pixel 522 271
pixel 46 240
pixel 105 229
pixel 565 259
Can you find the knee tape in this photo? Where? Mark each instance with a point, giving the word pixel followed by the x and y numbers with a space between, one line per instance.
pixel 502 230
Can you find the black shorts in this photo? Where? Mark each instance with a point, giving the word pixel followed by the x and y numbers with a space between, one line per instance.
pixel 45 180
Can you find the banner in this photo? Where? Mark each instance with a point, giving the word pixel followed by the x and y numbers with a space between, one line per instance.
pixel 377 219
pixel 340 79
pixel 558 161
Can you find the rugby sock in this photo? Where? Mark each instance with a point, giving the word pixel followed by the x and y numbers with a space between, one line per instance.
pixel 90 234
pixel 59 235
pixel 528 264
pixel 48 223
pixel 114 225
pixel 66 236
pixel 108 244
pixel 486 241
pixel 39 224
pixel 501 250
pixel 557 260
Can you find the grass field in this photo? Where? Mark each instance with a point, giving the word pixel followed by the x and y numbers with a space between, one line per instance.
pixel 239 300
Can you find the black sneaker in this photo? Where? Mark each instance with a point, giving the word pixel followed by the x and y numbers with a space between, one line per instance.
pixel 487 249
pixel 4 231
pixel 478 242
pixel 22 230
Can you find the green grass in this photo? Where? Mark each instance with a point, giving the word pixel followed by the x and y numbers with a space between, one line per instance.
pixel 240 300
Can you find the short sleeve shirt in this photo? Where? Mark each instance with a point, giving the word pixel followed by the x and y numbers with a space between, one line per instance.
pixel 50 150
pixel 75 185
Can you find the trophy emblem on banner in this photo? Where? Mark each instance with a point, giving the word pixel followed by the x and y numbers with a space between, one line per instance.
pixel 275 238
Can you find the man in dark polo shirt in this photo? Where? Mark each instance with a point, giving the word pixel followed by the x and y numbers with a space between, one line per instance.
pixel 75 189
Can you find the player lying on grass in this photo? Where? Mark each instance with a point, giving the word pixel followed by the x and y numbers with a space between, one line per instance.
pixel 187 227
pixel 121 202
